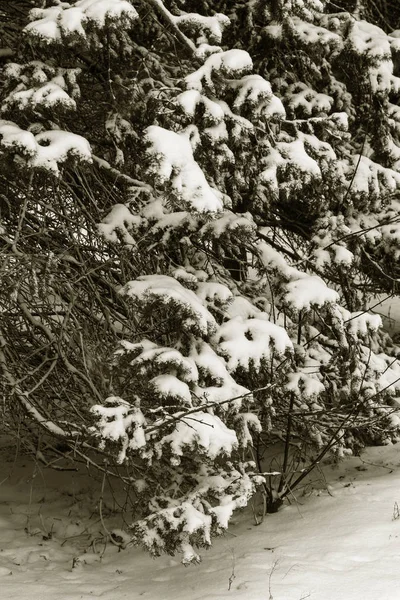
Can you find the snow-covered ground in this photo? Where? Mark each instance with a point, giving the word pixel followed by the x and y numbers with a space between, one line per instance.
pixel 336 542
pixel 389 309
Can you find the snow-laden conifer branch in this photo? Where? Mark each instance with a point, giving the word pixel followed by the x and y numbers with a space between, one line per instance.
pixel 171 22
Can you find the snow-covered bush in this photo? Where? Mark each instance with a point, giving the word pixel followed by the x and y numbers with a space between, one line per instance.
pixel 197 205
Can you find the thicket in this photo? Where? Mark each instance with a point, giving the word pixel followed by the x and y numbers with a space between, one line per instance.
pixel 198 206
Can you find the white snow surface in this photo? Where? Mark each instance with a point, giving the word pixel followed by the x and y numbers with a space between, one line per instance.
pixel 339 541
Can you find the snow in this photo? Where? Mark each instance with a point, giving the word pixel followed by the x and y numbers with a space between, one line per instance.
pixel 362 322
pixel 14 138
pixel 223 387
pixel 370 177
pixel 203 432
pixel 51 24
pixel 209 28
pixel 115 419
pixel 302 291
pixel 336 541
pixel 119 220
pixel 288 155
pixel 304 385
pixel 47 96
pixel 190 99
pixel 170 386
pixel 389 310
pixel 216 133
pixel 369 40
pixel 230 62
pixel 256 91
pixel 157 357
pixel 308 291
pixel 228 222
pixel 170 292
pixel 241 307
pixel 372 43
pixel 301 96
pixel 58 147
pixel 207 360
pixel 212 291
pixel 173 162
pixel 311 34
pixel 343 256
pixel 47 149
pixel 246 342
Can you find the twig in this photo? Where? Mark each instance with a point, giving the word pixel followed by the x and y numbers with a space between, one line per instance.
pixel 232 576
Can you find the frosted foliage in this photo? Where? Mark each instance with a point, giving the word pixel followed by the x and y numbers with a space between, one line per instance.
pixel 211 291
pixel 228 222
pixel 118 223
pixel 223 386
pixel 184 276
pixel 304 385
pixel 60 146
pixel 383 373
pixel 336 255
pixel 47 96
pixel 47 150
pixel 362 322
pixel 372 43
pixel 247 342
pixel 223 215
pixel 301 98
pixel 372 178
pixel 311 34
pixel 200 431
pixel 229 63
pixel 119 421
pixel 204 510
pixel 191 99
pixel 247 424
pixel 288 156
pixel 169 292
pixel 65 20
pixel 41 87
pixel 169 386
pixel 206 29
pixel 155 357
pixel 17 140
pixel 390 377
pixel 241 307
pixel 228 395
pixel 308 291
pixel 300 290
pixel 209 362
pixel 256 91
pixel 173 162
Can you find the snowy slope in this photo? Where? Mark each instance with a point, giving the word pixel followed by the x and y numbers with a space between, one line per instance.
pixel 335 543
pixel 389 309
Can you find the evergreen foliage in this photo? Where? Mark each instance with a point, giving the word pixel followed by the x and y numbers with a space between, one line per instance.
pixel 198 202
